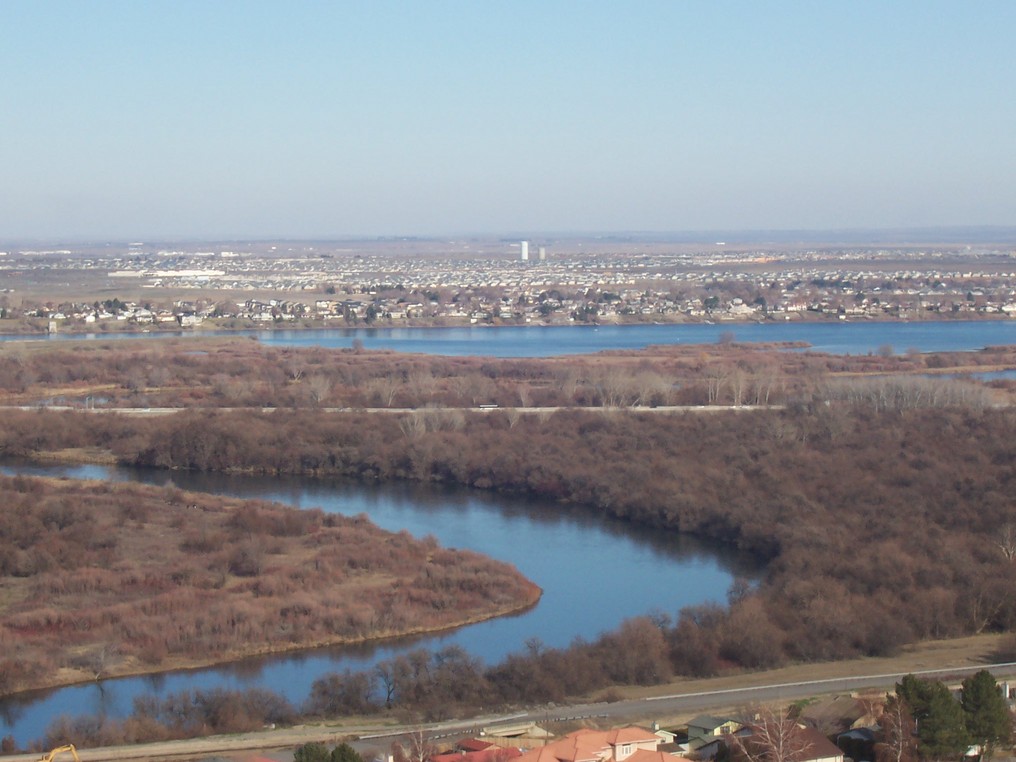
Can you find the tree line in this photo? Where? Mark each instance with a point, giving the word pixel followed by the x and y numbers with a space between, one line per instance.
pixel 244 373
pixel 924 720
pixel 900 515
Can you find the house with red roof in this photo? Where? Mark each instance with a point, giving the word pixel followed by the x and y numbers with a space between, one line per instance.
pixel 475 750
pixel 630 744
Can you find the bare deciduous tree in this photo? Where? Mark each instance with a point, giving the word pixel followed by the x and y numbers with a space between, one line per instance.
pixel 417 748
pixel 319 388
pixel 413 425
pixel 1007 541
pixel 525 395
pixel 716 380
pixel 899 733
pixel 775 737
pixel 422 382
pixel 649 387
pixel 384 388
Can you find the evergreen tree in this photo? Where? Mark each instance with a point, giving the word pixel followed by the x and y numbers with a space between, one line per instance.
pixel 311 752
pixel 941 726
pixel 345 753
pixel 917 694
pixel 987 717
pixel 943 733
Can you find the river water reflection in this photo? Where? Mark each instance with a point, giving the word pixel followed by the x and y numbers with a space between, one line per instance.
pixel 594 573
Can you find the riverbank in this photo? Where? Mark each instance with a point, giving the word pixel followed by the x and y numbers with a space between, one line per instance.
pixel 40 328
pixel 639 705
pixel 70 677
pixel 108 580
pixel 532 341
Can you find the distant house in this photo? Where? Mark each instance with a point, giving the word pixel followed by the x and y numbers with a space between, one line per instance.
pixel 858 744
pixel 838 713
pixel 819 748
pixel 809 746
pixel 472 744
pixel 474 750
pixel 706 728
pixel 630 744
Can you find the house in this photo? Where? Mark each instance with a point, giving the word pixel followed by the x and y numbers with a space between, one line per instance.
pixel 526 733
pixel 839 713
pixel 631 744
pixel 472 744
pixel 858 744
pixel 706 728
pixel 809 745
pixel 475 750
pixel 818 748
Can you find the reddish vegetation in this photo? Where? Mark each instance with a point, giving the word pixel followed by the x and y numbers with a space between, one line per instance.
pixel 883 505
pixel 895 513
pixel 239 373
pixel 101 579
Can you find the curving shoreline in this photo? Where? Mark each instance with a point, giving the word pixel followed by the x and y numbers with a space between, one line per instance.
pixel 185 665
pixel 112 580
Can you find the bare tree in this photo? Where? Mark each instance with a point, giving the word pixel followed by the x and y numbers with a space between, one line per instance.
pixel 1007 541
pixel 774 737
pixel 764 381
pixel 413 425
pixel 387 673
pixel 648 386
pixel 100 659
pixel 613 387
pixel 319 388
pixel 449 420
pixel 423 383
pixel 417 748
pixel 385 388
pixel 907 393
pixel 716 380
pixel 569 383
pixel 738 386
pixel 525 395
pixel 899 733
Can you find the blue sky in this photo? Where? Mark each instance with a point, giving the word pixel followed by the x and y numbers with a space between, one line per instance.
pixel 277 119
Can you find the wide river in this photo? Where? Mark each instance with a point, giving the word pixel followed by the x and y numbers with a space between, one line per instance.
pixel 837 337
pixel 594 573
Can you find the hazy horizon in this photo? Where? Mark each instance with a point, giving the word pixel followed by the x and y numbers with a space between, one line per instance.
pixel 269 121
pixel 945 235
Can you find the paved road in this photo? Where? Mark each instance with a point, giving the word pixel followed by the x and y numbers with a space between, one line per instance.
pixel 149 411
pixel 683 703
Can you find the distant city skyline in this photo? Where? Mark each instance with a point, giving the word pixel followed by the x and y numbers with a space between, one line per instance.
pixel 266 120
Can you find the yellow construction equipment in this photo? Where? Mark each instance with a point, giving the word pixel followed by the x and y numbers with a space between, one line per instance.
pixel 60 750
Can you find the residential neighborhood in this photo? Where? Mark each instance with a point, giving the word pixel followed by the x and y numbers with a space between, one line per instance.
pixel 427 284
